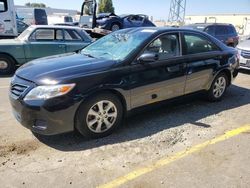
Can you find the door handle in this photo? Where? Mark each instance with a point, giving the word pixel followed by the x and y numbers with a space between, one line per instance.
pixel 173 69
pixel 61 46
pixel 190 72
pixel 7 20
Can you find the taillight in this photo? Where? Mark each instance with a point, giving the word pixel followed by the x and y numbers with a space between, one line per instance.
pixel 230 40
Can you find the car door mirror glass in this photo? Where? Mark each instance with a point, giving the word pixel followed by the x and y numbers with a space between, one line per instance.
pixel 148 57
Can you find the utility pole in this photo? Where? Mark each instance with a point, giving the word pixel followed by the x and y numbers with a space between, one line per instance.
pixel 177 12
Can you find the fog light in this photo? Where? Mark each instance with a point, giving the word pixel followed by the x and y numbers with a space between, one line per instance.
pixel 40 125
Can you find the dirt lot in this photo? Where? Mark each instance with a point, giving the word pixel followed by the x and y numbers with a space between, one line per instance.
pixel 70 160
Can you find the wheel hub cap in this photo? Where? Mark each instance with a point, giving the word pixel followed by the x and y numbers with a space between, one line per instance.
pixel 219 87
pixel 101 116
pixel 3 64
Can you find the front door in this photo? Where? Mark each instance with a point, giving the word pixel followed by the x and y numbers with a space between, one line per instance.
pixel 161 79
pixel 45 42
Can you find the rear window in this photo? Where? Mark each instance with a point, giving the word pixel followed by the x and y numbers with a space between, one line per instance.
pixel 231 30
pixel 221 30
pixel 3 6
pixel 68 19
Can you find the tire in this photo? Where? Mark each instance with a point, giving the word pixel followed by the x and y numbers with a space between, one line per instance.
pixel 7 65
pixel 93 122
pixel 115 27
pixel 218 88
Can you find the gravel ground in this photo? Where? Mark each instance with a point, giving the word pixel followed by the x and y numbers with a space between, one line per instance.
pixel 69 159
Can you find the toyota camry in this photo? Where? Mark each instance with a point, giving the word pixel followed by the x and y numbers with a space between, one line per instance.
pixel 91 91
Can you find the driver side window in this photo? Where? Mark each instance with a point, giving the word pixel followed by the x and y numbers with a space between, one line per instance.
pixel 166 46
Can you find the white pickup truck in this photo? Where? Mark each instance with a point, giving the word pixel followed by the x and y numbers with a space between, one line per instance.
pixel 8 25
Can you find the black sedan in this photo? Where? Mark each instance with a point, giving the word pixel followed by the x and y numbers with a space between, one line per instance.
pixel 112 22
pixel 91 91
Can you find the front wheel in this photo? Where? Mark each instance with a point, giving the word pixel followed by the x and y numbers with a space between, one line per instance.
pixel 99 116
pixel 218 88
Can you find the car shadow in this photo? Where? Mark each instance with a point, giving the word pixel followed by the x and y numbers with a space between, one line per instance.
pixel 244 71
pixel 149 121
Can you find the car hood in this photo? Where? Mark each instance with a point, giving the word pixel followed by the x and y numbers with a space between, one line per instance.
pixel 10 42
pixel 62 67
pixel 244 45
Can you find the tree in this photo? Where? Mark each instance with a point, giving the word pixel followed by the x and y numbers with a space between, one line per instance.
pixel 106 6
pixel 37 5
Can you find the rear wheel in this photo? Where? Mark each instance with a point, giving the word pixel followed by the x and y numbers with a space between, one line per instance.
pixel 99 116
pixel 115 27
pixel 218 88
pixel 7 65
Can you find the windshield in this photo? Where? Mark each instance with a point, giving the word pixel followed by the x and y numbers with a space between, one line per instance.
pixel 118 45
pixel 25 34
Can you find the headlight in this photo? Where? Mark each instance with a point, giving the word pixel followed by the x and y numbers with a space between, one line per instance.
pixel 47 92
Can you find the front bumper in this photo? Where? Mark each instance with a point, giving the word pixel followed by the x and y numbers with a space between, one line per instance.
pixel 54 116
pixel 244 63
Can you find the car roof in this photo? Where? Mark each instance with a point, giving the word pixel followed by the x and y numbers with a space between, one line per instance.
pixel 209 24
pixel 162 29
pixel 54 26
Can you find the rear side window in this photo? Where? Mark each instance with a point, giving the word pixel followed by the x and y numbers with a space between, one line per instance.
pixel 3 6
pixel 196 44
pixel 43 35
pixel 59 34
pixel 209 30
pixel 72 35
pixel 221 30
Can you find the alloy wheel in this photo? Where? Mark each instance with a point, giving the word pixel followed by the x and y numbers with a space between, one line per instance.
pixel 101 116
pixel 219 87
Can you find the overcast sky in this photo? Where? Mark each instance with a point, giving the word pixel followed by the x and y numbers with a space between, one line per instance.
pixel 159 9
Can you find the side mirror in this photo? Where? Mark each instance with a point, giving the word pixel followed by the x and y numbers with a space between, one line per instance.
pixel 148 57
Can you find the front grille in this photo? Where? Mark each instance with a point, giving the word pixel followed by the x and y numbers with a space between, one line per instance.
pixel 17 90
pixel 245 54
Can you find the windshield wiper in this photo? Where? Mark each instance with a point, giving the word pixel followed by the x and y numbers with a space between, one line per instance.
pixel 88 55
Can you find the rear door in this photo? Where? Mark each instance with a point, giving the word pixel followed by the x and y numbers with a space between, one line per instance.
pixel 8 26
pixel 161 79
pixel 45 42
pixel 73 40
pixel 202 57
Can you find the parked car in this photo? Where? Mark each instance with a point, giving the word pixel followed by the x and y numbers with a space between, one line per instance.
pixel 40 41
pixel 226 33
pixel 112 22
pixel 92 91
pixel 244 51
